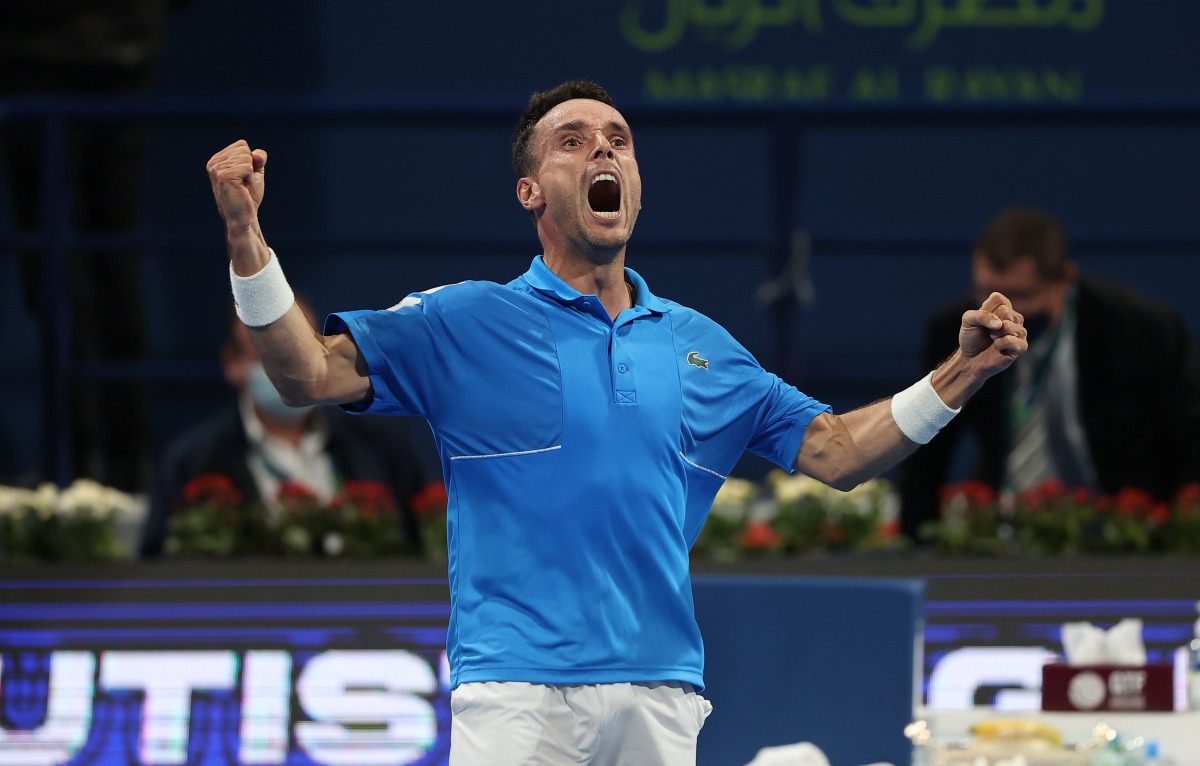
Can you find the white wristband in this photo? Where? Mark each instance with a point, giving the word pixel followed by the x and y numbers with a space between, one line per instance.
pixel 920 412
pixel 262 297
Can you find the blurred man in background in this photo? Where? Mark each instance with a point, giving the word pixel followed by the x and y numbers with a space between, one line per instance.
pixel 260 444
pixel 1108 396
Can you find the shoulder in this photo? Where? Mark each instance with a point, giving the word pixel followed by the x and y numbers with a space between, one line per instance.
pixel 699 336
pixel 1098 294
pixel 689 321
pixel 207 440
pixel 215 430
pixel 1107 308
pixel 463 299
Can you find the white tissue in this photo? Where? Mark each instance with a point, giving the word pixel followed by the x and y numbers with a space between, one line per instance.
pixel 1085 644
pixel 799 754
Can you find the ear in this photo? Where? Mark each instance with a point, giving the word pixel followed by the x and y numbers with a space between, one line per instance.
pixel 529 194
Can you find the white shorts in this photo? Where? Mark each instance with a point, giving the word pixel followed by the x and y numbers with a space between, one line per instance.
pixel 521 724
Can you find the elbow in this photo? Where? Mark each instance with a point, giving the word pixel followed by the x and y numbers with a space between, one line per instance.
pixel 299 393
pixel 844 481
pixel 834 474
pixel 295 398
pixel 833 458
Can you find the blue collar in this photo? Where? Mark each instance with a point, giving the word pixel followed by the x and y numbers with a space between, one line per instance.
pixel 545 281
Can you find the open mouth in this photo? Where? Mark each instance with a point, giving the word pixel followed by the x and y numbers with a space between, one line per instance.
pixel 604 196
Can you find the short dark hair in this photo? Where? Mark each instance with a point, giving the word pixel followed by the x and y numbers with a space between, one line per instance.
pixel 1021 232
pixel 540 103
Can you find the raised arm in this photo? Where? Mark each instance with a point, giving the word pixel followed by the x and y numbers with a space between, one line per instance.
pixel 306 367
pixel 845 450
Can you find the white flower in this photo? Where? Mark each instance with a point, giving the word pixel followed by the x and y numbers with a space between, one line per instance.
pixel 296 539
pixel 45 500
pixel 873 496
pixel 733 498
pixel 89 498
pixel 791 488
pixel 333 544
pixel 14 500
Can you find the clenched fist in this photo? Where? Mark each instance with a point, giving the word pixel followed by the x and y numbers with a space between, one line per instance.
pixel 238 177
pixel 993 335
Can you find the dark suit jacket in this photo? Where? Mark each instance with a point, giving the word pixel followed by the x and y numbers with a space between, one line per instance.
pixel 1139 389
pixel 363 448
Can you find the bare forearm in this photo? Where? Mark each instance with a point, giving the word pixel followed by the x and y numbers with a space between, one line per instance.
pixel 955 381
pixel 306 367
pixel 248 251
pixel 845 450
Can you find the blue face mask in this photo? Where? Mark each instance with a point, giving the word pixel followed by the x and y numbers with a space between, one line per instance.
pixel 267 399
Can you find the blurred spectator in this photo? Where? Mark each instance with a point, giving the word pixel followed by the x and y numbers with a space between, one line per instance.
pixel 1107 397
pixel 260 444
pixel 93 48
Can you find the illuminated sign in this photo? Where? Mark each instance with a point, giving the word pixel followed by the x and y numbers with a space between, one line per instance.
pixel 207 672
pixel 735 24
pixel 351 671
pixel 358 708
pixel 991 653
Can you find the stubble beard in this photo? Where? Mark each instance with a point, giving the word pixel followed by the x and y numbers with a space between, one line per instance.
pixel 602 251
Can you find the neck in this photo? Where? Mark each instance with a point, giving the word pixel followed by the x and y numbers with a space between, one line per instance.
pixel 605 281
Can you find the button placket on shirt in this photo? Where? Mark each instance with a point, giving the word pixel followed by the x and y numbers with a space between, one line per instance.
pixel 624 386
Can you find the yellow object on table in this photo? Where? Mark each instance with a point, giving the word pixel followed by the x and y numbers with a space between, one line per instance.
pixel 1017 730
pixel 1003 740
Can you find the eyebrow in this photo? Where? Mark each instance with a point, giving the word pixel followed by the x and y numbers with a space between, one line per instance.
pixel 575 125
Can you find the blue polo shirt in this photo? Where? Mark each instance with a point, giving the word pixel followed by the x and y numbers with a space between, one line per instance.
pixel 581 456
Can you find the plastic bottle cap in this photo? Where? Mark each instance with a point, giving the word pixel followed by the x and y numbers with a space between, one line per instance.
pixel 1152 749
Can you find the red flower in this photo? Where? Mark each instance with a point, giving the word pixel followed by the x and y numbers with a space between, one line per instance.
pixel 1031 499
pixel 431 500
pixel 1133 502
pixel 1081 496
pixel 1052 490
pixel 835 533
pixel 294 490
pixel 296 498
pixel 215 488
pixel 759 536
pixel 373 499
pixel 977 492
pixel 1159 513
pixel 1189 494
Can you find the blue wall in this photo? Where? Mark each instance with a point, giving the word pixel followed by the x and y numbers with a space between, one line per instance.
pixel 920 188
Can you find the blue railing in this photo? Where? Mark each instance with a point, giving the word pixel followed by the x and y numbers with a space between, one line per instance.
pixel 785 124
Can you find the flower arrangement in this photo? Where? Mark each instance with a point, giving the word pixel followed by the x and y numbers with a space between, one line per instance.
pixel 429 505
pixel 213 519
pixel 78 523
pixel 724 535
pixel 797 514
pixel 1052 519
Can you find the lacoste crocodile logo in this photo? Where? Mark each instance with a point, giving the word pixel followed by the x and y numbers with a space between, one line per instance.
pixel 693 358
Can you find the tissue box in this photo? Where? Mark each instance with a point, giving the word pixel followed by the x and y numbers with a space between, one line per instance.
pixel 1107 687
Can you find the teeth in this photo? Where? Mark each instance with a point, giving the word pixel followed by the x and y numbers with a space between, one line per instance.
pixel 604 177
pixel 611 214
